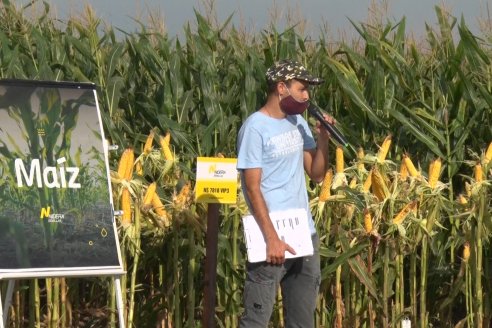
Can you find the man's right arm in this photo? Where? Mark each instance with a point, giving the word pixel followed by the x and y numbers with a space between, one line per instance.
pixel 275 247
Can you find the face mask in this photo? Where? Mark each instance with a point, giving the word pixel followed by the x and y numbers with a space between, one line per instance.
pixel 290 106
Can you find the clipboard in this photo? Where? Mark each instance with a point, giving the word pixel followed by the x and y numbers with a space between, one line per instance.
pixel 291 225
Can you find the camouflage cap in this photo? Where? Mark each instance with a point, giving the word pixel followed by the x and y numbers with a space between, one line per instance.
pixel 289 69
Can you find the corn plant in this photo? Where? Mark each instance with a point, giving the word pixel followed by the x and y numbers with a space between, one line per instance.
pixel 404 224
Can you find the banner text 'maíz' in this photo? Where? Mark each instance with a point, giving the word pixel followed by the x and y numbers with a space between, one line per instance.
pixel 51 176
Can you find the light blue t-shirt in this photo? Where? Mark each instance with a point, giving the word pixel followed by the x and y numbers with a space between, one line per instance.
pixel 276 146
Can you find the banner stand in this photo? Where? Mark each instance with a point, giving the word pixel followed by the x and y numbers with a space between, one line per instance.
pixel 4 311
pixel 1 313
pixel 58 153
pixel 119 301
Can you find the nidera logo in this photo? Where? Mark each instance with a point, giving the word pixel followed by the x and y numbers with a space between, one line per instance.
pixel 46 213
pixel 216 172
pixel 51 176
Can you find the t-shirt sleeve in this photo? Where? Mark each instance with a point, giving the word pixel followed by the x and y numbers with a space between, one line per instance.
pixel 307 136
pixel 250 148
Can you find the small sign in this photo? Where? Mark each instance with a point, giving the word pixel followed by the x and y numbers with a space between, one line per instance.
pixel 216 180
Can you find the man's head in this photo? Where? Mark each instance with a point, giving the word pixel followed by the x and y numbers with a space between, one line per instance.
pixel 286 70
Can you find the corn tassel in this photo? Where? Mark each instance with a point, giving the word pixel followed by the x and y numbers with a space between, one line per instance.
pixel 466 251
pixel 383 150
pixel 148 143
pixel 367 221
pixel 126 218
pixel 340 165
pixel 478 173
pixel 379 188
pixel 166 148
pixel 434 171
pixel 398 219
pixel 149 194
pixel 411 168
pixel 326 186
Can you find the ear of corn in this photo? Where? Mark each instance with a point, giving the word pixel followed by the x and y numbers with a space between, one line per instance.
pixel 326 186
pixel 360 156
pixel 158 206
pixel 183 195
pixel 478 173
pixel 125 166
pixel 383 150
pixel 129 167
pixel 462 199
pixel 379 187
pixel 367 184
pixel 148 142
pixel 167 138
pixel 488 154
pixel 126 218
pixel 122 165
pixel 466 251
pixel 162 216
pixel 367 221
pixel 166 148
pixel 398 219
pixel 434 171
pixel 410 167
pixel 139 168
pixel 353 183
pixel 403 171
pixel 149 194
pixel 340 165
pixel 468 189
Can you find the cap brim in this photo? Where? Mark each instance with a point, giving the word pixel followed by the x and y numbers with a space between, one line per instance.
pixel 311 80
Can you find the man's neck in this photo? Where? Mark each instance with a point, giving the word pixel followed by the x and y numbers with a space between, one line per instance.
pixel 272 109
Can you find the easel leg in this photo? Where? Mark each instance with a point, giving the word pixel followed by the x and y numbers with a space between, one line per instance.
pixel 119 302
pixel 8 299
pixel 1 311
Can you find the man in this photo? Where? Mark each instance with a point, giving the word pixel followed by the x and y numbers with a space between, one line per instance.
pixel 275 147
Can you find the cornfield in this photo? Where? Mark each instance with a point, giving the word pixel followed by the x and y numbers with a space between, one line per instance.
pixel 405 224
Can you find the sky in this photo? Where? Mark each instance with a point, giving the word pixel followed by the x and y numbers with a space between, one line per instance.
pixel 255 15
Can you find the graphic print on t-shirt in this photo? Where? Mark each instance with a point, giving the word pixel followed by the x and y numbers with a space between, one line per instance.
pixel 286 143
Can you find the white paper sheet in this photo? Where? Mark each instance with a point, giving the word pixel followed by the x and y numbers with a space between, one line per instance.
pixel 291 225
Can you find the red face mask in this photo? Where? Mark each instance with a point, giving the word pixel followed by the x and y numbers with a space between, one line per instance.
pixel 291 106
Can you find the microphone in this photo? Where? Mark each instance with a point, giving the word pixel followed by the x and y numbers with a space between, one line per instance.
pixel 337 135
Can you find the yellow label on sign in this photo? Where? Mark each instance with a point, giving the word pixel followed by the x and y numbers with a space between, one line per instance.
pixel 216 180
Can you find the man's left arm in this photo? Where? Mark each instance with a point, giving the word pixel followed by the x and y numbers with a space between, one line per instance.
pixel 316 160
